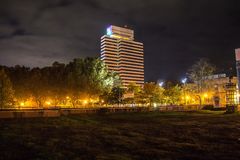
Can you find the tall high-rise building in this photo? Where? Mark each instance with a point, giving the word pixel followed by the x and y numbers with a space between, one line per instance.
pixel 237 53
pixel 122 54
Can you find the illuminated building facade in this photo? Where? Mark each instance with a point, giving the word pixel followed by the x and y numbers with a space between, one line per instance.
pixel 213 91
pixel 122 54
pixel 237 53
pixel 216 84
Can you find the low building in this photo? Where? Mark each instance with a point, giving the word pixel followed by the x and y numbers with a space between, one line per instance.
pixel 212 92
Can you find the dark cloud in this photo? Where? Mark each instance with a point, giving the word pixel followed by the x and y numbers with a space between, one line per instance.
pixel 175 32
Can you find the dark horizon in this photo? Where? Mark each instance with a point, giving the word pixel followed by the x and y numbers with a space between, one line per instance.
pixel 175 33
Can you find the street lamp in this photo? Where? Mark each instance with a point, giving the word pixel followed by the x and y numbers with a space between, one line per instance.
pixel 184 81
pixel 161 84
pixel 200 100
pixel 205 96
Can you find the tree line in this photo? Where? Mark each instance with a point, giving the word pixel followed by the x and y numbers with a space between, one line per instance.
pixel 87 81
pixel 80 79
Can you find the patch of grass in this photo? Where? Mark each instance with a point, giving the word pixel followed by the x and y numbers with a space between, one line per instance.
pixel 123 136
pixel 211 112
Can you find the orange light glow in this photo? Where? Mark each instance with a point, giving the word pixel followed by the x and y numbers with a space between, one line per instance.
pixel 205 95
pixel 85 102
pixel 48 103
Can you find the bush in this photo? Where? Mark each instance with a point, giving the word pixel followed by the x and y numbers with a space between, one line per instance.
pixel 219 109
pixel 208 107
pixel 102 111
pixel 231 109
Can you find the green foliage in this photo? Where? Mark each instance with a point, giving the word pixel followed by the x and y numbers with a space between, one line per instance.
pixel 57 82
pixel 6 90
pixel 172 94
pixel 133 91
pixel 89 77
pixel 81 78
pixel 37 84
pixel 134 88
pixel 19 76
pixel 115 96
pixel 94 76
pixel 152 93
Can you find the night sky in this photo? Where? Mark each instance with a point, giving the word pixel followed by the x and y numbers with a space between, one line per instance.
pixel 175 33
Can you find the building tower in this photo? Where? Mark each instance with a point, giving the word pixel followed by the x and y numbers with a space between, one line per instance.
pixel 237 53
pixel 122 54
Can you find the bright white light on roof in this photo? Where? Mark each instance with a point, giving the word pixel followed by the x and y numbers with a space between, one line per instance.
pixel 109 31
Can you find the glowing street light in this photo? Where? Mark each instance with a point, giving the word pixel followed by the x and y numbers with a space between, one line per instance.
pixel 85 102
pixel 205 98
pixel 161 84
pixel 155 105
pixel 205 95
pixel 48 103
pixel 184 80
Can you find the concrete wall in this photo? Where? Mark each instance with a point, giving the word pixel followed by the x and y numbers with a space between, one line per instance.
pixel 6 114
pixel 29 114
pixel 66 112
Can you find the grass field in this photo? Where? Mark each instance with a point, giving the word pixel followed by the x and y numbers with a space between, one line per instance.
pixel 182 136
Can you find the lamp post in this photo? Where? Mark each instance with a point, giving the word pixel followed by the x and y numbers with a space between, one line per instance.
pixel 120 94
pixel 184 80
pixel 200 100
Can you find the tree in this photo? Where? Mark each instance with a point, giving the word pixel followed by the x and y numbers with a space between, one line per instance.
pixel 19 76
pixel 99 78
pixel 134 88
pixel 200 71
pixel 115 96
pixel 6 90
pixel 133 92
pixel 172 94
pixel 89 78
pixel 56 82
pixel 37 84
pixel 86 78
pixel 152 93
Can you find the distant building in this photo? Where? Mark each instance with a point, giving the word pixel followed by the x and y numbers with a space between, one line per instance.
pixel 217 85
pixel 237 54
pixel 213 90
pixel 122 54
